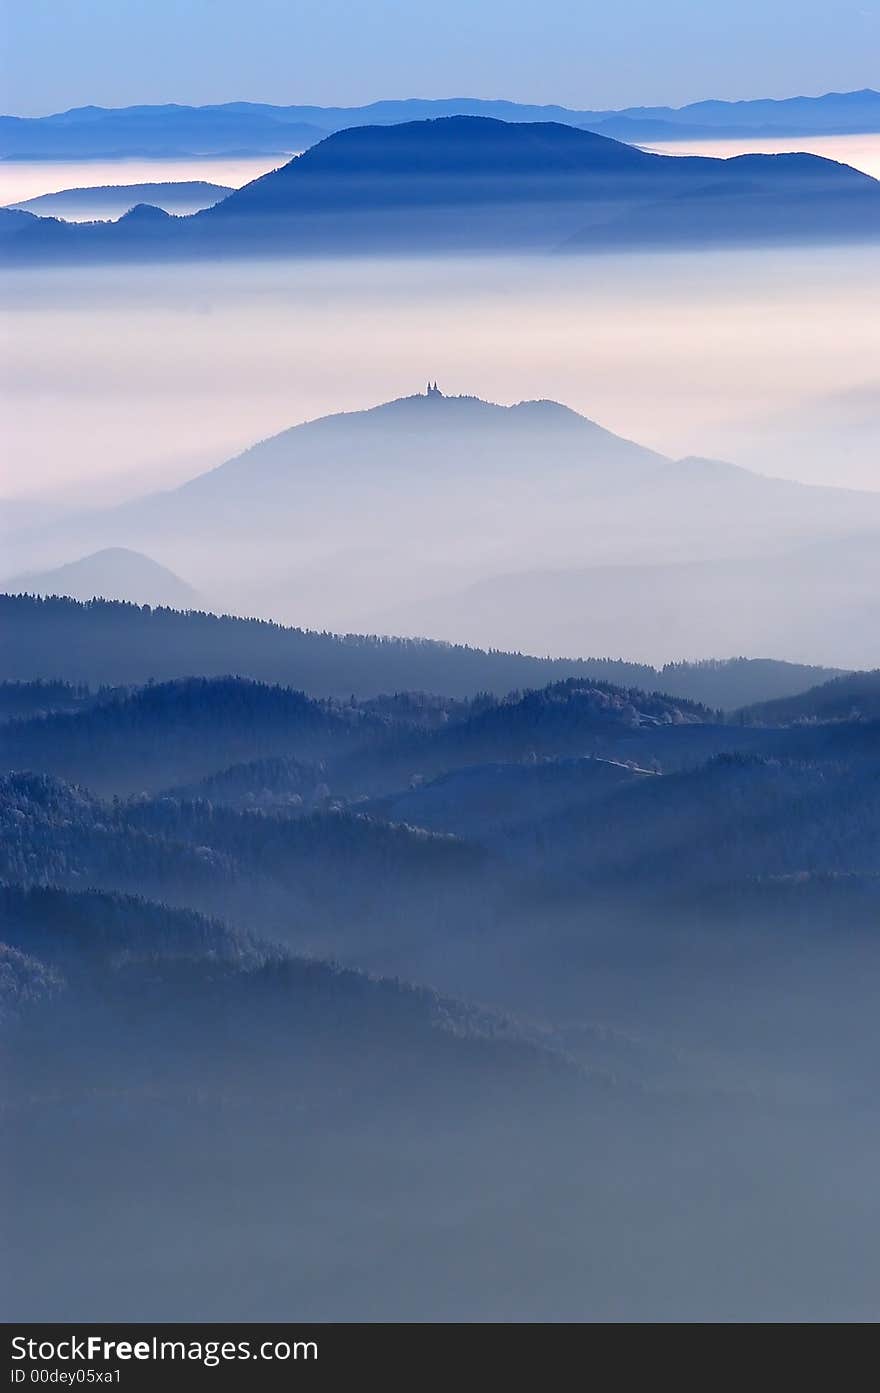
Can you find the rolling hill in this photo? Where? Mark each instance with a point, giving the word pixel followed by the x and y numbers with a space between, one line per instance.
pixel 178 731
pixel 471 182
pixel 111 644
pixel 670 918
pixel 108 201
pixel 850 697
pixel 148 1051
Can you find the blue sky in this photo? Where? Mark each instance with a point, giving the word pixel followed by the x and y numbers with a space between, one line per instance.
pixel 62 53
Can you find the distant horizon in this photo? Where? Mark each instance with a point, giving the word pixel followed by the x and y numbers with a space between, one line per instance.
pixel 328 105
pixel 56 56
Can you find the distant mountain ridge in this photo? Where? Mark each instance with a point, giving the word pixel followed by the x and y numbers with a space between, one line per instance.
pixel 258 126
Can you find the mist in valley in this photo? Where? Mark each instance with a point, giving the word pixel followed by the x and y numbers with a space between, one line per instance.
pixel 23 179
pixel 147 374
pixel 647 1044
pixel 124 381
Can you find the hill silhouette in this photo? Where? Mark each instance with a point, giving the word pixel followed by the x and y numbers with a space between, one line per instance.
pixel 114 573
pixel 107 201
pixel 468 182
pixel 349 522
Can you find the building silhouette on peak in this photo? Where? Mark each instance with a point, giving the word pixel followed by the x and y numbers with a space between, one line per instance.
pixel 433 390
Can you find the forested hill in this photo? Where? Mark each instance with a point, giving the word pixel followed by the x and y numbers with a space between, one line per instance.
pixel 175 731
pixel 642 932
pixel 160 995
pixel 172 733
pixel 853 696
pixel 102 642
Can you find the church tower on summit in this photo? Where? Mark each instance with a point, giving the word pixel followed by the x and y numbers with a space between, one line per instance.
pixel 433 390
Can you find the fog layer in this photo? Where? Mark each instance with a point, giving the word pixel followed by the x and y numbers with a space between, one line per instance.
pixel 21 179
pixel 120 380
pixel 861 151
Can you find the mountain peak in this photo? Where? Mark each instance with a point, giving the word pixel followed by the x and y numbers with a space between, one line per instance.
pixel 458 157
pixel 467 409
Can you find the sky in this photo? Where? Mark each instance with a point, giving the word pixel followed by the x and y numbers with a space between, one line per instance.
pixel 56 54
